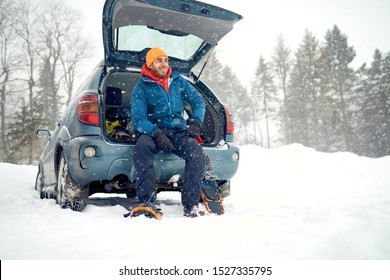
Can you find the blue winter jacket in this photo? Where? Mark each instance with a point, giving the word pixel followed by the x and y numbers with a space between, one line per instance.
pixel 152 108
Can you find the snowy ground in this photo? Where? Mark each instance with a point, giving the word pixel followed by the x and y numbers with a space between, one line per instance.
pixel 290 203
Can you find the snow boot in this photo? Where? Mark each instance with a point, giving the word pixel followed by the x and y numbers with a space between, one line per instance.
pixel 193 212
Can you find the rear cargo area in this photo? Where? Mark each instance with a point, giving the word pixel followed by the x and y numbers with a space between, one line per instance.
pixel 118 87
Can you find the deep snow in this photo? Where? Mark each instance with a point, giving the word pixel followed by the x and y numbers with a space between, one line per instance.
pixel 289 203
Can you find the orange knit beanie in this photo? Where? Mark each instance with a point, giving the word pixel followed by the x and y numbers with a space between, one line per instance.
pixel 153 54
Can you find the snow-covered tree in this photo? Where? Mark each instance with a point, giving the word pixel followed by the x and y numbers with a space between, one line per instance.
pixel 340 78
pixel 304 93
pixel 281 62
pixel 374 116
pixel 232 93
pixel 264 96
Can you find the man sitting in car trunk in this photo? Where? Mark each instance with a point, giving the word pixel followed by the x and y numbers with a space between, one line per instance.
pixel 157 106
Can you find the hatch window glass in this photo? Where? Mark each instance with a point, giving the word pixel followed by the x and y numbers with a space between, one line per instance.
pixel 137 37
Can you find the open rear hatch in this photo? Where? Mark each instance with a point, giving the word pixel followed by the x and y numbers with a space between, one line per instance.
pixel 187 30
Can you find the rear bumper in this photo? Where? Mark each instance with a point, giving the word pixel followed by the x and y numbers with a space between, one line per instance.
pixel 116 159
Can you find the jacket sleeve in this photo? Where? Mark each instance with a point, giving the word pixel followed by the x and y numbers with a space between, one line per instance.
pixel 139 111
pixel 193 97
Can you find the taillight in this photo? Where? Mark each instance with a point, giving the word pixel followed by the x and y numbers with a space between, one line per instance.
pixel 229 121
pixel 88 109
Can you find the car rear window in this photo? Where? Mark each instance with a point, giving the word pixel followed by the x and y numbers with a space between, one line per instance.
pixel 137 38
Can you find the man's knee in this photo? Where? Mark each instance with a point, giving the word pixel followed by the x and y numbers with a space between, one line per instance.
pixel 144 144
pixel 193 149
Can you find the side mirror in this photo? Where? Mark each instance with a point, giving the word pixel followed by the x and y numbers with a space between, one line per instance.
pixel 44 133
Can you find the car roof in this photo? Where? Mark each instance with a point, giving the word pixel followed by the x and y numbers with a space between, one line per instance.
pixel 187 30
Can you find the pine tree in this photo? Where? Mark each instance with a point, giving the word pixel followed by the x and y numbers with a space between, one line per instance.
pixel 46 98
pixel 264 94
pixel 374 125
pixel 340 78
pixel 281 63
pixel 304 94
pixel 239 103
pixel 384 143
pixel 361 90
pixel 231 93
pixel 24 124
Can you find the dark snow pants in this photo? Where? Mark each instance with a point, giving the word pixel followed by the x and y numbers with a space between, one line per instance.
pixel 186 148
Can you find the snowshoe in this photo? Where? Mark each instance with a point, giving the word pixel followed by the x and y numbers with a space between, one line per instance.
pixel 148 210
pixel 212 199
pixel 210 194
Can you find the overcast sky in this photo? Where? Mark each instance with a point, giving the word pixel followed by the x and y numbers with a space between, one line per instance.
pixel 365 22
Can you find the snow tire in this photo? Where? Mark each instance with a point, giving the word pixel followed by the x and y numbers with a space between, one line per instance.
pixel 63 183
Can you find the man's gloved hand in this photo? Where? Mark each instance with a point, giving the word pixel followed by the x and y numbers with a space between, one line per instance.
pixel 193 128
pixel 162 141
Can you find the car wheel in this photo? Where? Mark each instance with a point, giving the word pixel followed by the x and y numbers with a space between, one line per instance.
pixel 63 182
